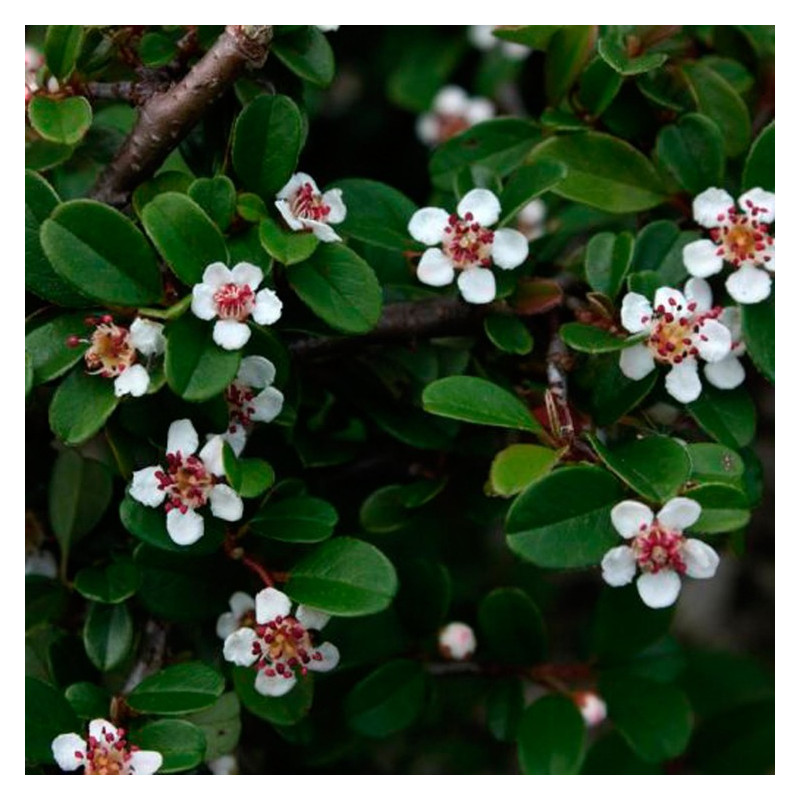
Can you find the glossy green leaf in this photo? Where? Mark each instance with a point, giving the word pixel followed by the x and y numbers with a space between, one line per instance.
pixel 725 508
pixel 385 510
pixel 512 627
pixel 477 400
pixel 599 85
pixel 307 53
pixel 603 172
pixel 47 714
pixel 111 583
pixel 62 43
pixel 62 121
pixel 182 745
pixel 217 197
pixel 221 725
pixel 758 328
pixel 178 689
pixel 612 394
pixel 250 477
pixel 88 700
pixel 288 247
pixel 567 53
pixel 693 150
pixel 759 169
pixel 102 252
pixel 196 368
pixel 286 710
pixel 590 339
pixel 156 50
pixel 339 287
pixel 81 406
pixel 537 37
pixel 728 415
pixel 655 467
pixel 296 519
pixel 388 700
pixel 607 261
pixel 659 250
pixel 166 181
pixel 645 283
pixel 564 519
pixel 508 333
pixel 518 466
pixel 267 138
pixel 184 235
pixel 344 577
pixel 715 463
pixel 108 635
pixel 47 346
pixel 551 738
pixel 527 183
pixel 45 600
pixel 41 154
pixel 614 54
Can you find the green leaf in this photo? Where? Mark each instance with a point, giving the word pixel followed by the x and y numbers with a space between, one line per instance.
pixel 385 510
pixel 607 261
pixel 221 725
pixel 156 50
pixel 167 181
pixel 102 252
pixel 714 463
pixel 150 525
pixel 339 287
pixel 286 710
pixel 728 415
pixel 613 53
pixel 388 700
pixel 300 519
pixel 759 169
pixel 344 577
pixel 499 145
pixel 196 368
pixel 718 100
pixel 758 328
pixel 376 213
pixel 527 183
pixel 40 277
pixel 477 400
pixel 217 197
pixel 512 627
pixel 184 235
pixel 645 283
pixel 267 138
pixel 725 508
pixel 62 121
pixel 537 37
pixel 111 583
pixel 518 466
pixel 655 719
pixel 108 635
pixel 612 394
pixel 508 333
pixel 567 52
pixel 28 373
pixel 307 53
pixel 590 339
pixel 536 296
pixel 552 736
pixel 41 154
pixel 504 705
pixel 693 150
pixel 47 714
pixel 655 467
pixel 610 755
pixel 45 600
pixel 47 346
pixel 599 86
pixel 603 172
pixel 62 43
pixel 564 519
pixel 250 477
pixel 178 689
pixel 79 493
pixel 288 247
pixel 88 700
pixel 182 745
pixel 659 250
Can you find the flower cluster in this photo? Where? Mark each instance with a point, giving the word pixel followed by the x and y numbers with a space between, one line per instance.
pixel 305 208
pixel 452 111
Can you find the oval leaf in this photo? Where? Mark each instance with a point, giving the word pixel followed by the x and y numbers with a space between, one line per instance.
pixel 758 328
pixel 307 53
pixel 512 626
pixel 725 508
pixel 590 339
pixel 47 345
pixel 81 406
pixel 47 714
pixel 62 44
pixel 182 745
pixel 551 737
pixel 286 710
pixel 108 635
pixel 63 121
pixel 508 333
pixel 727 415
pixel 759 169
pixel 217 197
pixel 693 151
pixel 527 183
pixel 659 250
pixel 518 466
pixel 112 583
pixel 607 261
pixel 296 519
pixel 178 689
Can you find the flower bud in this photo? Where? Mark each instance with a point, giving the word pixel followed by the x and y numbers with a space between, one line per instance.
pixel 592 707
pixel 457 641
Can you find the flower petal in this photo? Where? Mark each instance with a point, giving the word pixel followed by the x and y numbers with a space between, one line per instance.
pixel 629 517
pixel 147 336
pixel 238 647
pixel 65 748
pixel 216 275
pixel 698 291
pixel 636 362
pixel 451 100
pixel 330 658
pixel 182 437
pixel 768 258
pixel 713 340
pixel 533 213
pixel 286 212
pixel 241 603
pixel 435 268
pixel 203 303
pixel 227 624
pixel 619 566
pixel 267 404
pixel 268 307
pixel 670 299
pixel 145 487
pixel 758 199
pixel 236 438
pixel 636 312
pixel 275 686
pixel 478 110
pixel 659 589
pixel 145 762
pixel 101 728
pixel 427 225
pixel 312 617
pixel 246 274
pixel 295 183
pixel 683 382
pixel 749 284
pixel 509 248
pixel 701 559
pixel 427 128
pixel 211 455
pixel 338 210
pixel 184 528
pixel 708 206
pixel 322 230
pixel 256 372
pixel 134 381
pixel 679 513
pixel 482 204
pixel 271 603
pixel 230 334
pixel 726 374
pixel 477 285
pixel 700 258
pixel 225 503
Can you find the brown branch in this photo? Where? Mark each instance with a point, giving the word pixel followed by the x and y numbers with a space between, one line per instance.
pixel 167 117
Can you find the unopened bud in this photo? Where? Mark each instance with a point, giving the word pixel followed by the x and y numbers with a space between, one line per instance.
pixel 73 341
pixel 457 641
pixel 592 707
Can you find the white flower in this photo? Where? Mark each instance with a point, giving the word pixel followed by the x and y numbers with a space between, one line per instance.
pixel 740 237
pixel 41 562
pixel 305 208
pixel 658 548
pixel 681 329
pixel 242 611
pixel 482 37
pixel 728 373
pixel 246 406
pixel 230 294
pixel 114 352
pixel 530 220
pixel 279 644
pixel 224 765
pixel 188 483
pixel 457 641
pixel 592 707
pixel 452 111
pixel 105 752
pixel 467 245
pixel 328 28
